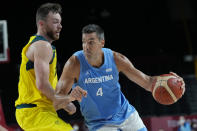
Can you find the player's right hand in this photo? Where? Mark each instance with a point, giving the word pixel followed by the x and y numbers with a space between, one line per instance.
pixel 77 94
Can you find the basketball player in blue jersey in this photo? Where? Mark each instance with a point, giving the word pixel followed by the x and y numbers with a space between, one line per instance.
pixel 96 70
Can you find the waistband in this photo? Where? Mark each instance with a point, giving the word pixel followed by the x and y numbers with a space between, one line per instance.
pixel 25 106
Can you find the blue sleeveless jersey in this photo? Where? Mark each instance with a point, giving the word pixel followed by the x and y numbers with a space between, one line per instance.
pixel 105 103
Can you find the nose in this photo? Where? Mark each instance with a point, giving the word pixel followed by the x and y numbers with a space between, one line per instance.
pixel 86 46
pixel 60 26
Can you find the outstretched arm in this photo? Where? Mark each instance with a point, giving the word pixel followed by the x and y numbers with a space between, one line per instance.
pixel 126 67
pixel 69 75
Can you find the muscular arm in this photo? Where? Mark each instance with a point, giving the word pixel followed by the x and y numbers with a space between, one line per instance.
pixel 126 67
pixel 69 75
pixel 42 55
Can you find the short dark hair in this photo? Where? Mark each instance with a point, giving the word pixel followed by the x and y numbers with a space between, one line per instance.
pixel 91 28
pixel 44 10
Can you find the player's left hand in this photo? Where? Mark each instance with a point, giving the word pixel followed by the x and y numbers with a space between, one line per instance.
pixel 70 108
pixel 77 94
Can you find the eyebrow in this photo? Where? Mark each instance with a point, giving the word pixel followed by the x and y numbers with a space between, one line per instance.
pixel 91 39
pixel 56 19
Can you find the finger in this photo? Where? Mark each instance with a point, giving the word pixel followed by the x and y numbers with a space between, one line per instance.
pixel 183 86
pixel 182 82
pixel 77 97
pixel 180 78
pixel 174 74
pixel 83 92
pixel 79 91
pixel 76 94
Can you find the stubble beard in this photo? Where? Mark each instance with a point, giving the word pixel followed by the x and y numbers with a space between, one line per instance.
pixel 52 35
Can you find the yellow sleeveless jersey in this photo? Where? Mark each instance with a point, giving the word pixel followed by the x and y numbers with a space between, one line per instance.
pixel 27 90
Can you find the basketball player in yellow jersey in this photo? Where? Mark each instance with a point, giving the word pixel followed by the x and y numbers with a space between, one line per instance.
pixel 38 77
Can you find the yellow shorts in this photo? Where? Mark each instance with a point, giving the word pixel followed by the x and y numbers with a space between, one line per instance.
pixel 40 119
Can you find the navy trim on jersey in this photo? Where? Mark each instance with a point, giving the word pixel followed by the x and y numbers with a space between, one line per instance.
pixel 37 38
pixel 30 64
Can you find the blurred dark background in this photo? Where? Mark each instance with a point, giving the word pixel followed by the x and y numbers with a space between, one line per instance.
pixel 157 36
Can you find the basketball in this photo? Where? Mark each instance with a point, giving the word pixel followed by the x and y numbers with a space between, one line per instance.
pixel 167 89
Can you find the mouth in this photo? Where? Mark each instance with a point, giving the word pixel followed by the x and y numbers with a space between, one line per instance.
pixel 57 33
pixel 87 52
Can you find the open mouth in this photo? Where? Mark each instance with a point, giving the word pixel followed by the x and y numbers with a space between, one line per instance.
pixel 88 52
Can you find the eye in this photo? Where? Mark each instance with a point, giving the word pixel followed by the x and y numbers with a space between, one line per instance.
pixel 56 21
pixel 91 42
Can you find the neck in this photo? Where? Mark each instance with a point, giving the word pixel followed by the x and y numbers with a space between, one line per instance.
pixel 44 35
pixel 96 61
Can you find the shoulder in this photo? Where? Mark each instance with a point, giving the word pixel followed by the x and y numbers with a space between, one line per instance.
pixel 122 62
pixel 78 53
pixel 74 59
pixel 42 45
pixel 41 49
pixel 118 56
pixel 72 67
pixel 73 62
pixel 107 50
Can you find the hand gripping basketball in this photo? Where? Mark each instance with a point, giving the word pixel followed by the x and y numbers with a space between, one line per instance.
pixel 168 88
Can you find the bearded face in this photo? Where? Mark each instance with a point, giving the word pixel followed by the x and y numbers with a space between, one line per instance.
pixel 53 35
pixel 53 26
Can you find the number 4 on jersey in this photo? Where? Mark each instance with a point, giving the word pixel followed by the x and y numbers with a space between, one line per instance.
pixel 99 92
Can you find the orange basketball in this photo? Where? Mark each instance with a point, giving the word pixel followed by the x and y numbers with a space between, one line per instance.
pixel 167 89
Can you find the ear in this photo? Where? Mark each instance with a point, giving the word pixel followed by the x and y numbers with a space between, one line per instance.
pixel 40 23
pixel 102 43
